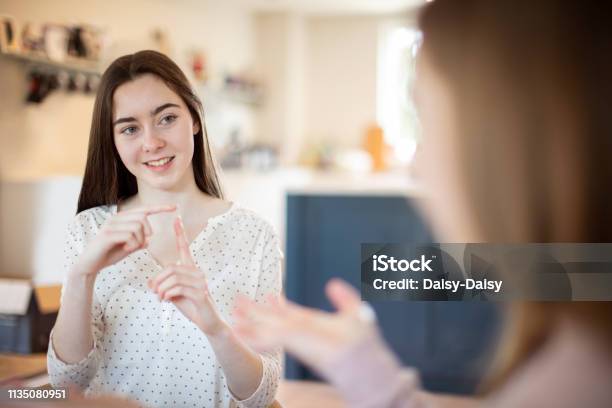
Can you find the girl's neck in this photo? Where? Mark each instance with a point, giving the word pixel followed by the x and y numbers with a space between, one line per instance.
pixel 190 200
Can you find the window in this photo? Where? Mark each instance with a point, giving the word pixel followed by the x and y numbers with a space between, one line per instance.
pixel 395 110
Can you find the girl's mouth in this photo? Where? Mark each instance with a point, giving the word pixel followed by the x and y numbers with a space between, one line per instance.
pixel 161 164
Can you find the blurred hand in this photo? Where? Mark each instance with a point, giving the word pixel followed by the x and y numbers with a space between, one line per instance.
pixel 76 399
pixel 122 234
pixel 185 285
pixel 313 336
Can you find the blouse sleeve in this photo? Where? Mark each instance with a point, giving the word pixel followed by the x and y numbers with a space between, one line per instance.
pixel 270 281
pixel 79 374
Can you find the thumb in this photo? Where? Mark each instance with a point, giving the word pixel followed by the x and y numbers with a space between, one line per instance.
pixel 343 296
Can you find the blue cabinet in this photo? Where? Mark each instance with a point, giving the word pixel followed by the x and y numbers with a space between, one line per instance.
pixel 449 342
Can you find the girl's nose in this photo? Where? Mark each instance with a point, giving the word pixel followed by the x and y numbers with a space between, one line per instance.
pixel 152 142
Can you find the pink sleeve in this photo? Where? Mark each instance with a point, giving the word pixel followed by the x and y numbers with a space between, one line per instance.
pixel 368 375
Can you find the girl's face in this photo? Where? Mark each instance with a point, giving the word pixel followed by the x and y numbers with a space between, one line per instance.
pixel 153 132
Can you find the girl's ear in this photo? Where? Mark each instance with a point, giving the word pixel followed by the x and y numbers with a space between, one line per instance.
pixel 196 127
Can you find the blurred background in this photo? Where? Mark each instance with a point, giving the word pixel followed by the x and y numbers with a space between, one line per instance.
pixel 308 109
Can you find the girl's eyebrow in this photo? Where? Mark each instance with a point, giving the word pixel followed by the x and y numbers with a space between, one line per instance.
pixel 153 113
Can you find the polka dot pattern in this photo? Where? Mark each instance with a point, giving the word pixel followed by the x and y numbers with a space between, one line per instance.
pixel 146 349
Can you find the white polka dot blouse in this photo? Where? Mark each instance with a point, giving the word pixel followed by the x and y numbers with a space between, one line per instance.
pixel 146 349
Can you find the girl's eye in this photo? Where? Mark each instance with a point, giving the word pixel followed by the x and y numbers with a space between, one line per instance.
pixel 129 130
pixel 168 119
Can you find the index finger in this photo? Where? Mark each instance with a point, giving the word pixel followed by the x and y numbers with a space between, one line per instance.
pixel 181 242
pixel 152 209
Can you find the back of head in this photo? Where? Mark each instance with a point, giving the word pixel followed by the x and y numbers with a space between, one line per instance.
pixel 530 85
pixel 530 82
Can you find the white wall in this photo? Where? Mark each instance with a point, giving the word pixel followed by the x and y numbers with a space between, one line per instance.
pixel 341 78
pixel 321 79
pixel 281 54
pixel 33 220
pixel 51 138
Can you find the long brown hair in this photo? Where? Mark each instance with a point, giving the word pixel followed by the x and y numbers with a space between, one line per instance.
pixel 530 82
pixel 107 180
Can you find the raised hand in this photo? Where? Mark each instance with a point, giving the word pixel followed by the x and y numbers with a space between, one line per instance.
pixel 313 336
pixel 185 285
pixel 122 234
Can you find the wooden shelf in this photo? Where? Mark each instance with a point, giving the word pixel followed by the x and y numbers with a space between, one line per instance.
pixel 71 64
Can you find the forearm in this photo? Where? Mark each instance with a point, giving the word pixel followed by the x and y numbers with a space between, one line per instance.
pixel 72 336
pixel 242 366
pixel 367 375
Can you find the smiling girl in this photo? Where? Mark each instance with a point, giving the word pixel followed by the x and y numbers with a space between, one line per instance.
pixel 147 305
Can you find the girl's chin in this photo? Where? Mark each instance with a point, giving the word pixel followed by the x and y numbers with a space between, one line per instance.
pixel 168 182
pixel 163 183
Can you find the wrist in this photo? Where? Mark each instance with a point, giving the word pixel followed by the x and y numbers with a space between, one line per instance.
pixel 220 330
pixel 82 271
pixel 78 277
pixel 378 370
pixel 78 288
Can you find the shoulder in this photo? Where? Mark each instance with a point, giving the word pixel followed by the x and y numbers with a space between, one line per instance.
pixel 246 218
pixel 90 220
pixel 96 215
pixel 252 227
pixel 549 377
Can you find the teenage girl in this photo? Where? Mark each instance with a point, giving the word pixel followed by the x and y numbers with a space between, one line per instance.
pixel 155 256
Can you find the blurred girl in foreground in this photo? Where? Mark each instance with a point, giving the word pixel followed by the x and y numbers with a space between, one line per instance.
pixel 514 103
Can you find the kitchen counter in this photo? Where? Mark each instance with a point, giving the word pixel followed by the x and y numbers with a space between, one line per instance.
pixel 300 180
pixel 266 192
